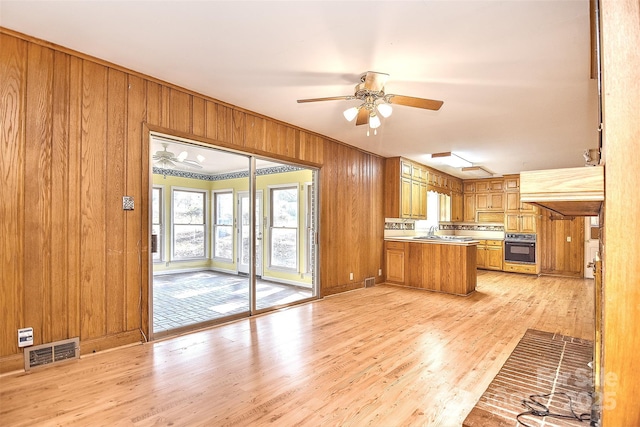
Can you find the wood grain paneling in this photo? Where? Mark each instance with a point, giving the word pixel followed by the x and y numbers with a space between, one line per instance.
pixel 621 247
pixel 60 199
pixel 37 191
pixel 74 230
pixel 92 200
pixel 115 188
pixel 13 68
pixel 137 167
pixel 561 245
pixel 75 140
pixel 179 111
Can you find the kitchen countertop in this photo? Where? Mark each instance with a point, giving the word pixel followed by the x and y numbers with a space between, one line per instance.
pixel 432 241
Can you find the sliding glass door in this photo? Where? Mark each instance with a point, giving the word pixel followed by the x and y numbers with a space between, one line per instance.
pixel 214 214
pixel 244 236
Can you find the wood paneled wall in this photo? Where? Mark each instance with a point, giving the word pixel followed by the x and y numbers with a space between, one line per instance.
pixel 621 245
pixel 557 255
pixel 74 140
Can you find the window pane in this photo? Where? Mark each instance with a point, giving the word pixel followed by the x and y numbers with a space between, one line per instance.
pixel 188 207
pixel 285 207
pixel 188 241
pixel 155 206
pixel 223 242
pixel 283 248
pixel 155 229
pixel 224 208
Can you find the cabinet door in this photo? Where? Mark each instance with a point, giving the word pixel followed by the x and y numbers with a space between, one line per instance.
pixel 512 184
pixel 419 174
pixel 422 206
pixel 483 202
pixel 395 265
pixel 482 254
pixel 415 199
pixel 456 207
pixel 512 222
pixel 469 187
pixel 496 201
pixel 528 223
pixel 513 201
pixel 496 185
pixel 494 257
pixel 483 186
pixel 405 169
pixel 470 208
pixel 418 200
pixel 406 198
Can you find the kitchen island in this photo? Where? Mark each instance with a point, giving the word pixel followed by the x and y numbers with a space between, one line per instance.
pixel 432 264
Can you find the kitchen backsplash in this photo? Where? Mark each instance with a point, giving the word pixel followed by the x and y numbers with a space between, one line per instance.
pixel 400 224
pixel 391 224
pixel 471 227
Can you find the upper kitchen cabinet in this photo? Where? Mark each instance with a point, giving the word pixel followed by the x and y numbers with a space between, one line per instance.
pixel 406 186
pixel 490 202
pixel 405 189
pixel 490 186
pixel 519 217
pixel 484 200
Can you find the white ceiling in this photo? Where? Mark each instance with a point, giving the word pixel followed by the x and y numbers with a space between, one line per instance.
pixel 211 161
pixel 513 75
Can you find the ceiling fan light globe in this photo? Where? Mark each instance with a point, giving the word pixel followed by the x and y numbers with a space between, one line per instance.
pixel 385 110
pixel 350 113
pixel 183 155
pixel 374 121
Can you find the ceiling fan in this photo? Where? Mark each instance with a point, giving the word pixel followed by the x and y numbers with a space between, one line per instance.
pixel 167 160
pixel 371 92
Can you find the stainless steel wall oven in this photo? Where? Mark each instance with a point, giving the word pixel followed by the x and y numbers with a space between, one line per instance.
pixel 520 248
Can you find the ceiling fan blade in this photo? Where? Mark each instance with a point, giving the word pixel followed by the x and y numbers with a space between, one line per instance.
pixel 165 163
pixel 363 117
pixel 375 81
pixel 330 98
pixel 410 101
pixel 192 163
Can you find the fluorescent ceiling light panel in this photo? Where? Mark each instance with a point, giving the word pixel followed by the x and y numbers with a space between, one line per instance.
pixel 477 171
pixel 451 159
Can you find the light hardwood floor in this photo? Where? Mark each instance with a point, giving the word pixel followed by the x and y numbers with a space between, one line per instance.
pixel 383 356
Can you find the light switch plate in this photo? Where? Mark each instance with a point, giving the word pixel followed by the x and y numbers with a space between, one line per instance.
pixel 25 337
pixel 127 203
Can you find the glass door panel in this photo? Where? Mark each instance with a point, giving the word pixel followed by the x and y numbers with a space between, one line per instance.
pixel 244 235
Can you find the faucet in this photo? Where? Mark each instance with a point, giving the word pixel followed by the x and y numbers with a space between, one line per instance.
pixel 432 230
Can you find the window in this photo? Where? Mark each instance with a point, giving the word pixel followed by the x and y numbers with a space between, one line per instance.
pixel 157 222
pixel 223 225
pixel 189 226
pixel 284 228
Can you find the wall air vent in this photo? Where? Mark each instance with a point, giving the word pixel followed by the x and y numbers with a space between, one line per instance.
pixel 46 354
pixel 369 282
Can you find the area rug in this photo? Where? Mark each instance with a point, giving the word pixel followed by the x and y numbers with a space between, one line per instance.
pixel 550 366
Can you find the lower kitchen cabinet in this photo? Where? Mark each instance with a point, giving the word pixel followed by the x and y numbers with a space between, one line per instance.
pixel 440 267
pixel 490 254
pixel 521 268
pixel 395 258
